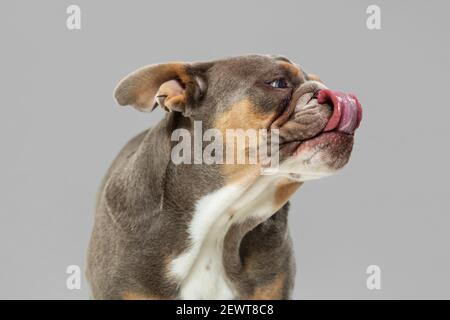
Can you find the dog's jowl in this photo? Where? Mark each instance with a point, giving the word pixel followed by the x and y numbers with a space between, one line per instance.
pixel 215 229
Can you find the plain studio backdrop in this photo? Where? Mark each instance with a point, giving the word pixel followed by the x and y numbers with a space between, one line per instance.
pixel 60 129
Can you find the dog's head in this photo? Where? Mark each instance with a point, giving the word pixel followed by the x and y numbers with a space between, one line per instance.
pixel 315 126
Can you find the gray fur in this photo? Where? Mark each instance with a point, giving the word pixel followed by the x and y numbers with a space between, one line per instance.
pixel 145 203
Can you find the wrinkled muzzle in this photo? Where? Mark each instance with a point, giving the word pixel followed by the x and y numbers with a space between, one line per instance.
pixel 315 109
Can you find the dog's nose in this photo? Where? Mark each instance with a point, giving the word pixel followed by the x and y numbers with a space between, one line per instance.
pixel 347 111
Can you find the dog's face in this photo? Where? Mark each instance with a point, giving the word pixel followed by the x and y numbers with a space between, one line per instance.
pixel 315 125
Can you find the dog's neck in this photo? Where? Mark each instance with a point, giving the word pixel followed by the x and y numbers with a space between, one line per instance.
pixel 208 226
pixel 219 223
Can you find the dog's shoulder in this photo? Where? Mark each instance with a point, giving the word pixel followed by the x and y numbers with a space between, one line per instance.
pixel 129 149
pixel 126 152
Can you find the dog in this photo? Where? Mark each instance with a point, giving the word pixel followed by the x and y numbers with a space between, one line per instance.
pixel 214 231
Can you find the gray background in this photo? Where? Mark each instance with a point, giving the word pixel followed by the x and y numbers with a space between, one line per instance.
pixel 60 129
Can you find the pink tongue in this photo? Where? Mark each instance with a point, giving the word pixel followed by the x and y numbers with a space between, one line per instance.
pixel 347 111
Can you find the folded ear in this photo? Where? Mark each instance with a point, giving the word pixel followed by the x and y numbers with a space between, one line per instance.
pixel 171 86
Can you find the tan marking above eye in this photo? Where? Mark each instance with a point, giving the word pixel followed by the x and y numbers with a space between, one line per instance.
pixel 294 70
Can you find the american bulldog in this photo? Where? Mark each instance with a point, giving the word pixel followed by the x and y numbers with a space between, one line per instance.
pixel 218 230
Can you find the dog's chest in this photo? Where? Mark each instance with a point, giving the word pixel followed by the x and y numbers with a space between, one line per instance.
pixel 200 269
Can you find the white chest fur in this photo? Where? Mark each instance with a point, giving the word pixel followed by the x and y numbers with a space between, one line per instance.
pixel 199 269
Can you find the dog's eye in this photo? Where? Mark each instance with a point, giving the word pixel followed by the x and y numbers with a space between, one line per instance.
pixel 279 83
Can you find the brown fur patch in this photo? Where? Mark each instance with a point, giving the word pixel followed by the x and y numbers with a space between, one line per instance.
pixel 176 101
pixel 293 69
pixel 139 296
pixel 243 115
pixel 285 191
pixel 271 291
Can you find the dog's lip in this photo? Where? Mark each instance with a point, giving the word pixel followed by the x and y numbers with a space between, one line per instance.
pixel 323 141
pixel 292 148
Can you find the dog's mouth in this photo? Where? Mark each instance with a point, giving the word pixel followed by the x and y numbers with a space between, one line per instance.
pixel 347 111
pixel 318 117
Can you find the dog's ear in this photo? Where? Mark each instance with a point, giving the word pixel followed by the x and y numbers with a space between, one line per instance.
pixel 172 86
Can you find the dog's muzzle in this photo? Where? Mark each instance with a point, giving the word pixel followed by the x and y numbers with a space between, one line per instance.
pixel 315 109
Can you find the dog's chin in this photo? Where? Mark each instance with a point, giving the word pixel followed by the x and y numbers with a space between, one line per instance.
pixel 317 157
